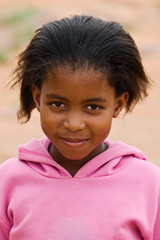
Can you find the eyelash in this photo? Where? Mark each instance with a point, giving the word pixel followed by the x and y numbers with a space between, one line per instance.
pixel 94 107
pixel 91 107
pixel 57 103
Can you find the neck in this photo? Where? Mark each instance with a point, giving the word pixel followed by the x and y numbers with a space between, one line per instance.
pixel 73 166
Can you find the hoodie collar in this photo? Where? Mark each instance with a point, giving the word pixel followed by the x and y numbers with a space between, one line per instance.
pixel 35 154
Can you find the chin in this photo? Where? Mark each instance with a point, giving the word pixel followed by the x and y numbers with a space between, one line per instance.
pixel 75 156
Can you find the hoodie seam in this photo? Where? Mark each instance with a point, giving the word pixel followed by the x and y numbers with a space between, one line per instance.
pixel 34 153
pixel 46 175
pixel 110 174
pixel 69 177
pixel 4 223
pixel 84 177
pixel 42 156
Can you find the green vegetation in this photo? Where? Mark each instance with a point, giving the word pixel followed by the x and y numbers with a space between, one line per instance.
pixel 17 28
pixel 18 16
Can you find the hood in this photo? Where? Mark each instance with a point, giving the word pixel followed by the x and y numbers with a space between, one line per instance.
pixel 35 154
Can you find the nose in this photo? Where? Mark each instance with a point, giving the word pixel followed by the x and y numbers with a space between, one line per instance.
pixel 74 122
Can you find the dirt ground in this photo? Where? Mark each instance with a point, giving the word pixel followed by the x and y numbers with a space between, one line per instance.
pixel 142 18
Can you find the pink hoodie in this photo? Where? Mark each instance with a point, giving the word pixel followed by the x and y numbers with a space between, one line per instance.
pixel 115 196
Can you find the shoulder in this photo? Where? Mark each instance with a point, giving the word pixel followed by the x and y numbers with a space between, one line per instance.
pixel 144 172
pixel 138 162
pixel 145 166
pixel 11 168
pixel 9 163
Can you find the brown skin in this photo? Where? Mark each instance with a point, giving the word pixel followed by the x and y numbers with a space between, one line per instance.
pixel 76 110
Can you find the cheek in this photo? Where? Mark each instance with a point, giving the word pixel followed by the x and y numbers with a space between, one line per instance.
pixel 47 117
pixel 50 123
pixel 47 122
pixel 102 128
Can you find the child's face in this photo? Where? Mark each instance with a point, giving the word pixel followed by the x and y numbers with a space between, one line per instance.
pixel 76 110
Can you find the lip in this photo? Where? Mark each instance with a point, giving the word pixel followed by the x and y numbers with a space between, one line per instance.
pixel 74 142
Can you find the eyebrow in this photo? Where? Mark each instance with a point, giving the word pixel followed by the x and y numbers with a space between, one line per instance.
pixel 53 95
pixel 98 99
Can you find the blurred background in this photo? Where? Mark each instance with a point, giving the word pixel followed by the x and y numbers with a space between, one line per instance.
pixel 18 21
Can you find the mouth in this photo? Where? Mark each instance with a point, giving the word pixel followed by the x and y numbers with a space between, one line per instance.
pixel 74 142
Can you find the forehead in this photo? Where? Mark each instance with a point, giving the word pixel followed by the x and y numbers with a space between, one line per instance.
pixel 85 81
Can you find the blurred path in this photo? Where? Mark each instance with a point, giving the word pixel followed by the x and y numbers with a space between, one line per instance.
pixel 140 128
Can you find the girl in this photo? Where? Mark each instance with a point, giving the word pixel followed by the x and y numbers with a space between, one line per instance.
pixel 79 73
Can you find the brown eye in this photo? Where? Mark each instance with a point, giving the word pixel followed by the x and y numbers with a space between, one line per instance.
pixel 58 105
pixel 93 107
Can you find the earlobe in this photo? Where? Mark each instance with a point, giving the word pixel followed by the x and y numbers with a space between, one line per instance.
pixel 120 104
pixel 36 96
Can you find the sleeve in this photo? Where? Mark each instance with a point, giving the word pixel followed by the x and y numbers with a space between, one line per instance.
pixel 151 195
pixel 4 231
pixel 156 233
pixel 156 230
pixel 5 192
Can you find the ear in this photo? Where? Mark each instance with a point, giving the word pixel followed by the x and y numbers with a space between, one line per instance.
pixel 36 96
pixel 120 103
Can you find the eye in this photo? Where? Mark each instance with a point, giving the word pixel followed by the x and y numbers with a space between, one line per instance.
pixel 93 107
pixel 58 105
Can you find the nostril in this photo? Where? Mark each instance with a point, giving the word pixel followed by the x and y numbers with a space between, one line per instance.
pixel 74 125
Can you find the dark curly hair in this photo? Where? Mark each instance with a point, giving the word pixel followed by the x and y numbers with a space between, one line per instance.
pixel 80 42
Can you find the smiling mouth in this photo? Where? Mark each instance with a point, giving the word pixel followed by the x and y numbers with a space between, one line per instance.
pixel 74 142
